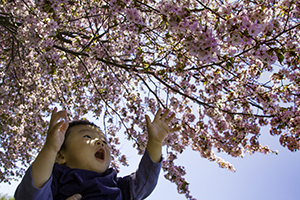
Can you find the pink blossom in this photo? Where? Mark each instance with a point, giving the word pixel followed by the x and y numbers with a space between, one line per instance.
pixel 53 25
pixel 225 9
pixel 56 7
pixel 236 39
pixel 254 29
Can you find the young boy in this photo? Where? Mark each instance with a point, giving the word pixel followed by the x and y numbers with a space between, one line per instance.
pixel 75 159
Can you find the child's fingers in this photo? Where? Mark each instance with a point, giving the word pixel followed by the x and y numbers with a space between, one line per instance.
pixel 54 110
pixel 148 120
pixel 157 116
pixel 165 114
pixel 56 116
pixel 62 126
pixel 52 114
pixel 170 118
pixel 175 129
pixel 75 197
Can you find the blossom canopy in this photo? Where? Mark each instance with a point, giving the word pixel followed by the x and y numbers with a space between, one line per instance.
pixel 226 70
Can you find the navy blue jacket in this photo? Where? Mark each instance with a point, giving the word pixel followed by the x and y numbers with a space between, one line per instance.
pixel 65 182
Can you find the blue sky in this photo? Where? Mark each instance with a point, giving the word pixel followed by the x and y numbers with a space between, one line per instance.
pixel 258 177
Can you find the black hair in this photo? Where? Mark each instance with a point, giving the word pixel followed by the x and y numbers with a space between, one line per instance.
pixel 76 123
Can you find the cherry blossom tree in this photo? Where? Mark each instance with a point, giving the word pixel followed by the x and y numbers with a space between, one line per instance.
pixel 225 68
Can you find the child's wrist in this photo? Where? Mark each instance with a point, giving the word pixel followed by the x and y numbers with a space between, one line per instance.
pixel 154 149
pixel 154 142
pixel 49 149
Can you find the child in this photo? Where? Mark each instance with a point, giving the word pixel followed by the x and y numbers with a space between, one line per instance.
pixel 75 159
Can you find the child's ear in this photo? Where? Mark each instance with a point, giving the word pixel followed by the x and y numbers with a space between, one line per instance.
pixel 60 158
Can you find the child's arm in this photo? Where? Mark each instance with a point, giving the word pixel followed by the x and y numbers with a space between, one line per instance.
pixel 158 130
pixel 43 164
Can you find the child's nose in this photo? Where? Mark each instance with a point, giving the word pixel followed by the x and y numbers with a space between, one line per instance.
pixel 99 143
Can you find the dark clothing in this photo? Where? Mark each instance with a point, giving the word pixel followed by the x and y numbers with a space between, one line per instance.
pixel 66 182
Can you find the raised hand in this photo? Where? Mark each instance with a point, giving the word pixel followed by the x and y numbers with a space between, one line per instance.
pixel 159 128
pixel 56 131
pixel 43 164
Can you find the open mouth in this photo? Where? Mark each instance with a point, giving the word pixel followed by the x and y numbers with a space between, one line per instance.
pixel 100 154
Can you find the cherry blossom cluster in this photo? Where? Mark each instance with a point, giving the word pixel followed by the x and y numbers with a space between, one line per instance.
pixel 174 173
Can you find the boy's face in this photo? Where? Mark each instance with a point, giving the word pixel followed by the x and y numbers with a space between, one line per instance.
pixel 86 148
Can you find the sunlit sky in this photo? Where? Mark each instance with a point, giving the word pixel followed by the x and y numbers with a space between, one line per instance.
pixel 257 177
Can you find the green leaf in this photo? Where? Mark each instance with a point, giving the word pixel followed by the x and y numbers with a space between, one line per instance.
pixel 228 65
pixel 140 29
pixel 146 67
pixel 168 35
pixel 217 24
pixel 187 10
pixel 161 72
pixel 53 70
pixel 47 8
pixel 279 55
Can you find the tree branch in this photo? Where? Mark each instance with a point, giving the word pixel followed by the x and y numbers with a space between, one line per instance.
pixel 93 82
pixel 70 51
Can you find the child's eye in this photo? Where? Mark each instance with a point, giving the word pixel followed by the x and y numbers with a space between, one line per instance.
pixel 87 136
pixel 104 141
